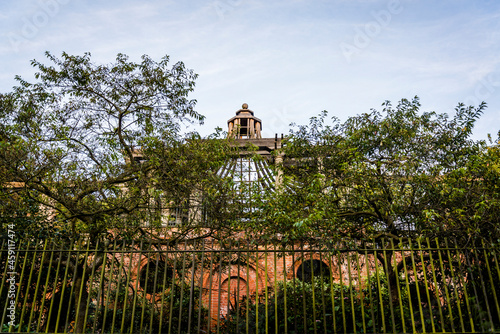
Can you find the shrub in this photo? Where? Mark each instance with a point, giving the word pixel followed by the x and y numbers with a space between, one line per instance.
pixel 321 307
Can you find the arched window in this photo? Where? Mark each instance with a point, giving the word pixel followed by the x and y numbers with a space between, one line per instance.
pixel 309 268
pixel 159 270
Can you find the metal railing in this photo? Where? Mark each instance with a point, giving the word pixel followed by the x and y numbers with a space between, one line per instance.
pixel 206 287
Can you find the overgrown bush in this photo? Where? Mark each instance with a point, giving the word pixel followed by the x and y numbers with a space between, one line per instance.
pixel 482 291
pixel 177 311
pixel 321 307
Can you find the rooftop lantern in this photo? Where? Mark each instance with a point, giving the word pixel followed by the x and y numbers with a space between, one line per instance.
pixel 244 125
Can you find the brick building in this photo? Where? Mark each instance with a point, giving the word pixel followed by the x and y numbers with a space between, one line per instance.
pixel 255 272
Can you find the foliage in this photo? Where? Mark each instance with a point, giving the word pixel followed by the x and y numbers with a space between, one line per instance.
pixel 467 201
pixel 82 143
pixel 37 296
pixel 325 307
pixel 49 296
pixel 25 217
pixel 482 288
pixel 71 138
pixel 188 178
pixel 92 148
pixel 133 312
pixel 395 173
pixel 321 307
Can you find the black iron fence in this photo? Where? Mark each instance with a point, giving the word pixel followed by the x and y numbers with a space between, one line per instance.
pixel 207 287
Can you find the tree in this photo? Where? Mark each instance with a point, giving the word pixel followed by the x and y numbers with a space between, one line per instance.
pixel 187 176
pixel 72 136
pixel 383 176
pixel 85 142
pixel 467 200
pixel 391 174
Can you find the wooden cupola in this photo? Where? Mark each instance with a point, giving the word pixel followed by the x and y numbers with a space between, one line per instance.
pixel 244 125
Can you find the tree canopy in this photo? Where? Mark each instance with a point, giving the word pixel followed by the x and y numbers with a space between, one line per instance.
pixel 393 173
pixel 87 141
pixel 100 147
pixel 98 150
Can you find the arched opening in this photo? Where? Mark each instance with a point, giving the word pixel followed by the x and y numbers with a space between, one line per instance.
pixel 235 286
pixel 313 268
pixel 159 270
pixel 233 289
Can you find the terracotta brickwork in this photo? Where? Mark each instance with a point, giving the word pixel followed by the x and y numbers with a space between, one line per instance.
pixel 227 278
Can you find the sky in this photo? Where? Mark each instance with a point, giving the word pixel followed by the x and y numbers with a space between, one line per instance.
pixel 288 59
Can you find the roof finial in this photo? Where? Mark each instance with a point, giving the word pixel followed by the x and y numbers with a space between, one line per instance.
pixel 244 106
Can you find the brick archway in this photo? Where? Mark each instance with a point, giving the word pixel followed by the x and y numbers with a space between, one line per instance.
pixel 219 287
pixel 328 262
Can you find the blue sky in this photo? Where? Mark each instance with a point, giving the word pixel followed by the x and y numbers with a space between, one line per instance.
pixel 288 59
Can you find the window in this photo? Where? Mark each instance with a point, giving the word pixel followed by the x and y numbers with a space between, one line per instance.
pixel 313 268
